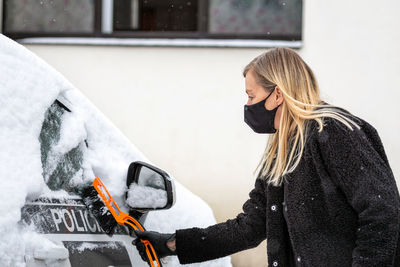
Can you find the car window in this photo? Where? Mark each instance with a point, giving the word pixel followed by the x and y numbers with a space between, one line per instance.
pixel 98 254
pixel 59 169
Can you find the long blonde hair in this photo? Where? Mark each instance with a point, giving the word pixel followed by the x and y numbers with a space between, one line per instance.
pixel 284 68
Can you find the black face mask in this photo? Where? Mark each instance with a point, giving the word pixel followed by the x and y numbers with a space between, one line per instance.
pixel 259 118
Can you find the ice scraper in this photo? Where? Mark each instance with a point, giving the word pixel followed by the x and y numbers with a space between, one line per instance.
pixel 106 211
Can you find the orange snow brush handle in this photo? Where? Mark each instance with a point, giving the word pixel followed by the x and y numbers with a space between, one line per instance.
pixel 123 218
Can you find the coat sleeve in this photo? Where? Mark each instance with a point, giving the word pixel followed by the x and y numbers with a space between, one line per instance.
pixel 367 181
pixel 245 231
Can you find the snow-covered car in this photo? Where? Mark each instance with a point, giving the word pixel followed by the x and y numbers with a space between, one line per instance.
pixel 67 222
pixel 54 142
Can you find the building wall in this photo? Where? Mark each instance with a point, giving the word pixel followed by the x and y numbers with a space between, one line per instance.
pixel 183 107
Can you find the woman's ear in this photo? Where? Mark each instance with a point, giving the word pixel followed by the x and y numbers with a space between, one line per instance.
pixel 278 95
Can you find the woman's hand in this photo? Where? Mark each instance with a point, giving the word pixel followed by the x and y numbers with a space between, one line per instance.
pixel 163 244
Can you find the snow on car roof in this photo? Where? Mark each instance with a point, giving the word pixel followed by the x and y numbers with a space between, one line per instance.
pixel 28 87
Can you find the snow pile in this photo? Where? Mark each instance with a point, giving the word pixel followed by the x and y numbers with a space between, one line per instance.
pixel 82 144
pixel 27 89
pixel 140 196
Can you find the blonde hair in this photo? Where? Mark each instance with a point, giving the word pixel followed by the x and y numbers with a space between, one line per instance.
pixel 284 68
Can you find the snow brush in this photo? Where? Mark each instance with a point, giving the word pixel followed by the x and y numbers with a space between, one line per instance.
pixel 108 214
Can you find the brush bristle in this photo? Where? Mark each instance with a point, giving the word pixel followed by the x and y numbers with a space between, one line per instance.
pixel 99 210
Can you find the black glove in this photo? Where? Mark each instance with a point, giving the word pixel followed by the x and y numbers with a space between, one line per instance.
pixel 158 240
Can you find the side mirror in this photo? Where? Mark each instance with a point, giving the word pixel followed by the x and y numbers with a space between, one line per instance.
pixel 149 188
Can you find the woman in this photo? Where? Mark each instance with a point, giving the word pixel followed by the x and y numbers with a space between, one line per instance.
pixel 325 194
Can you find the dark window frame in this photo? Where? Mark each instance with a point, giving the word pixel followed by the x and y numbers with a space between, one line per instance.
pixel 200 34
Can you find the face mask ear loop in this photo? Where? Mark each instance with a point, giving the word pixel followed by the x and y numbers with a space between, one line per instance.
pixel 270 93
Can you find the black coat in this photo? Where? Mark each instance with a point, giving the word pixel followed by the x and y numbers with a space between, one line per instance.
pixel 342 208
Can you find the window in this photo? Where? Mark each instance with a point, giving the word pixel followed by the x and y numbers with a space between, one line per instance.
pixel 258 20
pixel 156 16
pixel 60 169
pixel 48 17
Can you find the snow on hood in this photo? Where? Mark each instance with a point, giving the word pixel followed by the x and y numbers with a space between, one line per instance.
pixel 28 87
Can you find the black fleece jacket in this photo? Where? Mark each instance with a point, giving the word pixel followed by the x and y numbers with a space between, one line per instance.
pixel 342 208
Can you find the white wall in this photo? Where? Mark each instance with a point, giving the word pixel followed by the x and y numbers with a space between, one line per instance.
pixel 183 107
